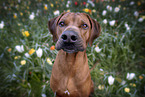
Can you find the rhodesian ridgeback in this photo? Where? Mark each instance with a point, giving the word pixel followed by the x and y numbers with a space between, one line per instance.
pixel 70 73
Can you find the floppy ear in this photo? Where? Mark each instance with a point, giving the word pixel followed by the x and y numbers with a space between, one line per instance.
pixel 52 23
pixel 52 28
pixel 95 29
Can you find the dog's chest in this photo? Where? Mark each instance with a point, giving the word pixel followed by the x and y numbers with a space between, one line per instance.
pixel 70 77
pixel 66 87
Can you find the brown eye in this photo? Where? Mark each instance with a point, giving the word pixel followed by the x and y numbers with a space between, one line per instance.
pixel 61 24
pixel 84 26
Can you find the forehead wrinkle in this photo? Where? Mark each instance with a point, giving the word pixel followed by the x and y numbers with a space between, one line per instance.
pixel 66 17
pixel 82 21
pixel 83 18
pixel 74 17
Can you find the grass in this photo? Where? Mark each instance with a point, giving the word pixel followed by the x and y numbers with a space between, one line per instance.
pixel 122 48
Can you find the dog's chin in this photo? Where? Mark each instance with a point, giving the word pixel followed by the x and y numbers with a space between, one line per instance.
pixel 70 51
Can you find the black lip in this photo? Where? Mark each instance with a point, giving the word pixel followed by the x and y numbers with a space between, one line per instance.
pixel 69 51
pixel 69 48
pixel 74 50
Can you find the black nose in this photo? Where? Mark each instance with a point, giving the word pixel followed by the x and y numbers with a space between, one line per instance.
pixel 69 36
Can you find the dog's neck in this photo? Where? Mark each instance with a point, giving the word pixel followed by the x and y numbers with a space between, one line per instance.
pixel 71 61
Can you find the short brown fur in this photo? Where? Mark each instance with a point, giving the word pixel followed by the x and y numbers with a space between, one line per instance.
pixel 70 71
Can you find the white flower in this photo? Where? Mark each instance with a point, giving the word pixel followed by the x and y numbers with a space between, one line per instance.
pixel 68 2
pixel 5 7
pixel 116 9
pixel 136 14
pixel 130 76
pixel 32 16
pixel 87 5
pixel 105 21
pixel 89 1
pixel 140 19
pixel 104 12
pixel 47 82
pixel 67 5
pixel 43 95
pixel 67 92
pixel 112 23
pixel 19 48
pixel 27 55
pixel 111 80
pixel 38 11
pixel 39 52
pixel 127 27
pixel 2 25
pixel 45 5
pixel 19 1
pixel 15 14
pixel 56 12
pixel 49 61
pixel 123 82
pixel 101 87
pixel 132 3
pixel 97 49
pixel 101 69
pixel 109 8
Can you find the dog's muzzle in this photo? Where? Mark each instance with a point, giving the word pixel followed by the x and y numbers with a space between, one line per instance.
pixel 70 42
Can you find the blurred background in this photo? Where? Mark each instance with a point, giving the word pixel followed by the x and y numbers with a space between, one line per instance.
pixel 27 52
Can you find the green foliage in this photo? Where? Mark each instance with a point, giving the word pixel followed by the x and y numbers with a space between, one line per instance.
pixel 122 46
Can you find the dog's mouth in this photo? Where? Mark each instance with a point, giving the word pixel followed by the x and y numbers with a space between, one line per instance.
pixel 70 47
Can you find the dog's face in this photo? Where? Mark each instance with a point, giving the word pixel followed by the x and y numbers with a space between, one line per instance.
pixel 73 31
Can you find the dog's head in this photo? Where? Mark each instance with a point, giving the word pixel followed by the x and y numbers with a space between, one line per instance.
pixel 73 31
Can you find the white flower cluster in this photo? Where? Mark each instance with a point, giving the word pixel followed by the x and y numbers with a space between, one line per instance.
pixel 20 49
pixel 56 13
pixel 127 26
pixel 109 8
pixel 68 3
pixel 129 76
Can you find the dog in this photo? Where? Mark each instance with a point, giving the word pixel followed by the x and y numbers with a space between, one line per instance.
pixel 72 32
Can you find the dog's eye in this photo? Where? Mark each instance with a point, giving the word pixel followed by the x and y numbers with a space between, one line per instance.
pixel 84 26
pixel 61 24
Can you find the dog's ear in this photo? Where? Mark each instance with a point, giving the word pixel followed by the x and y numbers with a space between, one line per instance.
pixel 52 23
pixel 95 30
